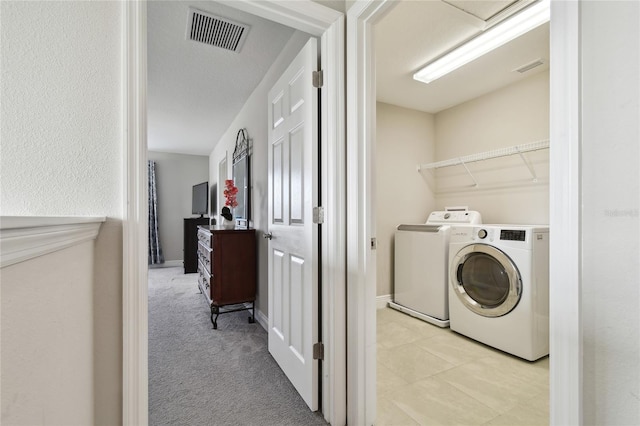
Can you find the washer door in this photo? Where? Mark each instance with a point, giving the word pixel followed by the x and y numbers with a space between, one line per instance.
pixel 486 280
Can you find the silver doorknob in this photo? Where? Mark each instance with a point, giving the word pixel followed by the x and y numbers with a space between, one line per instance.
pixel 268 235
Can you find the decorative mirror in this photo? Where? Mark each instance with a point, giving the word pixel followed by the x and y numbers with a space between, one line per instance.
pixel 242 175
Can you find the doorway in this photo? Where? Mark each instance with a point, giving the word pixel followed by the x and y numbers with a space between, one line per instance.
pixel 314 19
pixel 460 114
pixel 565 404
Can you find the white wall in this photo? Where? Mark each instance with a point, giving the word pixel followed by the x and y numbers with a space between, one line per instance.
pixel 47 346
pixel 253 117
pixel 61 154
pixel 513 115
pixel 175 176
pixel 404 137
pixel 338 5
pixel 610 219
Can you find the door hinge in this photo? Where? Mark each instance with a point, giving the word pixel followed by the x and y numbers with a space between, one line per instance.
pixel 318 351
pixel 318 215
pixel 374 243
pixel 317 79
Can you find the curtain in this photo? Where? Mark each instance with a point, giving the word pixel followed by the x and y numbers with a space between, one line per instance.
pixel 155 250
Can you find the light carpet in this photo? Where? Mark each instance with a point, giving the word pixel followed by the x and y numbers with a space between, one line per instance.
pixel 201 376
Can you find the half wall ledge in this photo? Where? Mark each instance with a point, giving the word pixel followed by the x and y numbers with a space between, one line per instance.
pixel 26 237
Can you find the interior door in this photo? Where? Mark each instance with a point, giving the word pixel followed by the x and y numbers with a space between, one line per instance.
pixel 293 246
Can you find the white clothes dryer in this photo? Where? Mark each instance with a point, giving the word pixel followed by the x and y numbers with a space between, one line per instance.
pixel 421 265
pixel 499 287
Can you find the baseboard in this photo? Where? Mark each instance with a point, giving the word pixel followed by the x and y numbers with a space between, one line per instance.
pixel 167 264
pixel 261 318
pixel 383 301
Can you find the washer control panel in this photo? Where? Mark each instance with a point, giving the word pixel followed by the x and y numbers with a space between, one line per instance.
pixel 457 217
pixel 515 236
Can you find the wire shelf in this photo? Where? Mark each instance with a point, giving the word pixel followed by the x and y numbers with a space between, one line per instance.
pixel 497 153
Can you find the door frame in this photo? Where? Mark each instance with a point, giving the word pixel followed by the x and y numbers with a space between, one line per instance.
pixel 307 16
pixel 565 300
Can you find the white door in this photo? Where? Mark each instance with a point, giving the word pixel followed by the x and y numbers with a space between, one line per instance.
pixel 293 247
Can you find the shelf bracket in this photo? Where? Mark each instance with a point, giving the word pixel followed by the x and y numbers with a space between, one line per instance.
pixel 534 177
pixel 475 182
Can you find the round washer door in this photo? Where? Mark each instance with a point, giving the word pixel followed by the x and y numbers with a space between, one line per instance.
pixel 486 280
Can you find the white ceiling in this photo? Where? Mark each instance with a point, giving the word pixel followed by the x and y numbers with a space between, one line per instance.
pixel 413 33
pixel 195 90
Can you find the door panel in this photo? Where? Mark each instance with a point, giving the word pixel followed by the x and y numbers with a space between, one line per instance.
pixel 277 181
pixel 297 301
pixel 296 167
pixel 276 311
pixel 293 247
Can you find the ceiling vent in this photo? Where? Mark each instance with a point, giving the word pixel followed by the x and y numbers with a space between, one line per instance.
pixel 531 65
pixel 215 30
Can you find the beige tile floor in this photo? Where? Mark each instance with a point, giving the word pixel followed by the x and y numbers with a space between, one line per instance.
pixel 432 376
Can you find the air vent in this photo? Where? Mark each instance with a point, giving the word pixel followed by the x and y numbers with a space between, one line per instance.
pixel 529 66
pixel 215 30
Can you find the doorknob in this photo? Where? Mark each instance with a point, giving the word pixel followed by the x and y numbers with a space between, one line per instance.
pixel 268 235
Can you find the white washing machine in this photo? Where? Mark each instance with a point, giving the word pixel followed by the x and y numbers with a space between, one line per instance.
pixel 499 287
pixel 421 265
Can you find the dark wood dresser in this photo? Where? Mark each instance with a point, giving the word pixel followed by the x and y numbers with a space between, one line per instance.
pixel 227 269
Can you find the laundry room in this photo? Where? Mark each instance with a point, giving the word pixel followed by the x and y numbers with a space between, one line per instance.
pixel 473 140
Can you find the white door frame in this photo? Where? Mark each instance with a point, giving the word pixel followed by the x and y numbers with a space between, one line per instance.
pixel 303 15
pixel 565 302
pixel 565 290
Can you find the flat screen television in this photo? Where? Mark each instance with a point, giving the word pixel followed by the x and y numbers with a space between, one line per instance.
pixel 200 199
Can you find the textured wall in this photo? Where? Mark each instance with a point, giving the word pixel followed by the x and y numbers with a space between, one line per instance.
pixel 175 176
pixel 61 108
pixel 404 138
pixel 610 203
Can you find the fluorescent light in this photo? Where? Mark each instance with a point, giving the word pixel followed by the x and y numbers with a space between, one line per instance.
pixel 496 36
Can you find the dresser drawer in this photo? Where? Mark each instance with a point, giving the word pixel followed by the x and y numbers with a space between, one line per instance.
pixel 204 256
pixel 204 237
pixel 204 280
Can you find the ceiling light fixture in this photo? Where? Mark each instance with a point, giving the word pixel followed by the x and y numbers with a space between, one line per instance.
pixel 496 36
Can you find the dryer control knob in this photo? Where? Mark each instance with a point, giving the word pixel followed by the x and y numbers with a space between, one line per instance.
pixel 482 234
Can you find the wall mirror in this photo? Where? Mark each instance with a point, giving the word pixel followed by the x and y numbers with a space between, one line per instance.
pixel 242 175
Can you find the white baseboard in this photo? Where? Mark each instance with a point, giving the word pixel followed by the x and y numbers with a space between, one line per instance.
pixel 383 301
pixel 262 319
pixel 167 264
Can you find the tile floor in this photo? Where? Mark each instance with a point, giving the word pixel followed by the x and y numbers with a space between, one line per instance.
pixel 432 376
